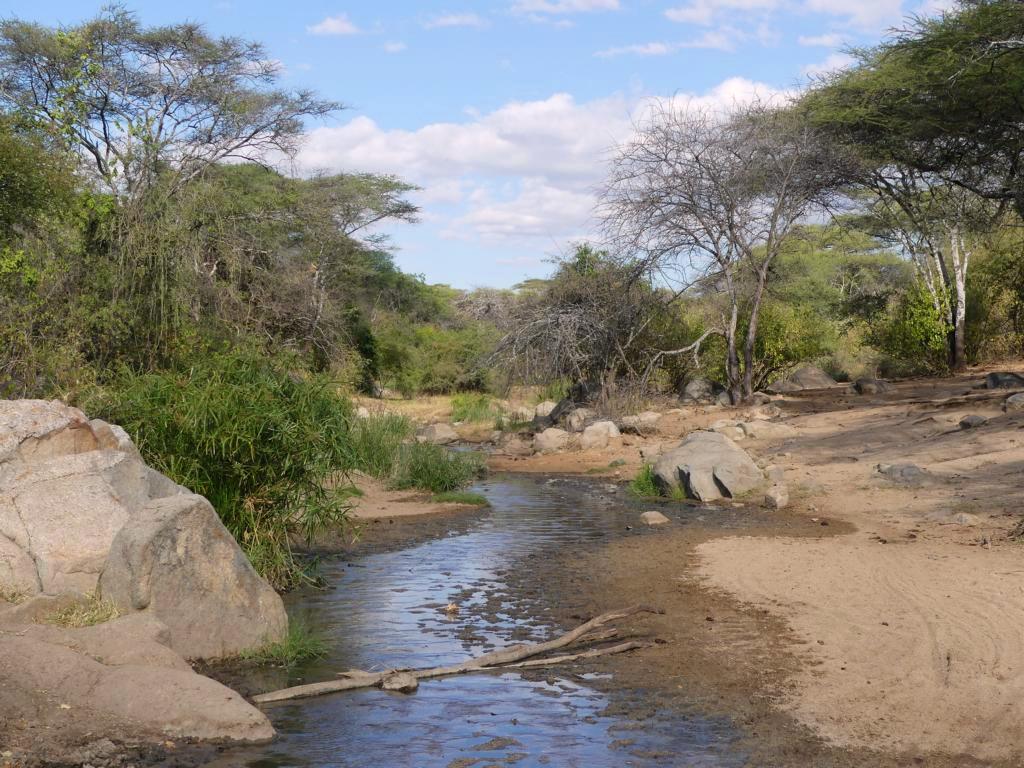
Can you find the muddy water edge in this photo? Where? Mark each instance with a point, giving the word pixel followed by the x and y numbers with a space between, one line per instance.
pixel 550 553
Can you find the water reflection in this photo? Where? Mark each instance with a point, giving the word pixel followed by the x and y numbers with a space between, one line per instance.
pixel 388 609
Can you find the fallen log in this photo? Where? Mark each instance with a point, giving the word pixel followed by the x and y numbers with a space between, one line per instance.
pixel 515 657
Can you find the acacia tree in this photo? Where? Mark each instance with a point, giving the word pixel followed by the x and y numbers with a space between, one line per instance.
pixel 708 199
pixel 140 103
pixel 933 223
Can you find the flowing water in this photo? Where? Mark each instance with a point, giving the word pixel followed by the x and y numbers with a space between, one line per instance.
pixel 388 609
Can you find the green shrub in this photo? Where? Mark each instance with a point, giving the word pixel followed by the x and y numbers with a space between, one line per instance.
pixel 473 407
pixel 434 468
pixel 643 484
pixel 254 437
pixel 915 336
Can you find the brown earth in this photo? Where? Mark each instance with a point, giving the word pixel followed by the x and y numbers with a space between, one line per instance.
pixel 892 636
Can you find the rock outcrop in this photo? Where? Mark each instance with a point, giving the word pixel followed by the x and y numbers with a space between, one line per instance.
pixel 176 560
pixel 1004 380
pixel 438 434
pixel 806 377
pixel 641 423
pixel 707 466
pixel 77 503
pixel 577 420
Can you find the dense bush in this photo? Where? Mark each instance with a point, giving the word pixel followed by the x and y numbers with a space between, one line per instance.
pixel 914 336
pixel 435 468
pixel 250 434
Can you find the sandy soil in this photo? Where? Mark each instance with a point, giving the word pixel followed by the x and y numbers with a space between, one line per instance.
pixel 901 638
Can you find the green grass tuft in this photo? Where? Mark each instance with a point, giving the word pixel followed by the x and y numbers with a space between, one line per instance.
pixel 643 484
pixel 434 468
pixel 461 497
pixel 472 407
pixel 376 443
pixel 301 644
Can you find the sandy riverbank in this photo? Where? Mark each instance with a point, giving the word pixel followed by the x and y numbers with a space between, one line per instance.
pixel 892 635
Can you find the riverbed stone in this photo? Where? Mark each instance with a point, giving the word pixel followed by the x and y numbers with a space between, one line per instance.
pixel 438 434
pixel 903 474
pixel 653 517
pixel 551 440
pixel 868 386
pixel 599 435
pixel 777 497
pixel 577 420
pixel 707 466
pixel 544 409
pixel 766 430
pixel 701 391
pixel 1004 380
pixel 972 421
pixel 640 423
pixel 1014 403
pixel 400 682
pixel 175 559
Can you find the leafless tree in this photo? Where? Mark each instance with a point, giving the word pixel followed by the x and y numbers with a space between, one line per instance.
pixel 705 198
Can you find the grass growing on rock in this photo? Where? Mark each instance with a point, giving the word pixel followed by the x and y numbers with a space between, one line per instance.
pixel 85 613
pixel 12 595
pixel 643 484
pixel 301 644
pixel 461 497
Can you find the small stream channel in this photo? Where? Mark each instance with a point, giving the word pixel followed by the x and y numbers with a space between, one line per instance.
pixel 387 609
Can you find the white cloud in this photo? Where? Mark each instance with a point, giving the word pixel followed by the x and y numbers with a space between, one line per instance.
pixel 724 39
pixel 394 46
pixel 863 13
pixel 704 12
pixel 564 6
pixel 829 40
pixel 833 63
pixel 334 25
pixel 642 49
pixel 456 20
pixel 523 172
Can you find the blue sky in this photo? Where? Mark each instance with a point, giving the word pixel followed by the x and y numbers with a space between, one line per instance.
pixel 505 111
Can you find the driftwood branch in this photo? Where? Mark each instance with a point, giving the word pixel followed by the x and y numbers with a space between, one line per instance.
pixel 516 657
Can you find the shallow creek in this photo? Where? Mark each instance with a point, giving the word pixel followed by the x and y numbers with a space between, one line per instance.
pixel 388 609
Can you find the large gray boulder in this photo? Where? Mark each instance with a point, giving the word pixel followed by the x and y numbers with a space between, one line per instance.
pixel 159 701
pixel 1014 403
pixel 707 466
pixel 77 501
pixel 1004 380
pixel 176 560
pixel 641 423
pixel 702 391
pixel 805 377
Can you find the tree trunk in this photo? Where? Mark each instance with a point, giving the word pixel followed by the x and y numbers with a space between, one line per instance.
pixel 960 258
pixel 751 340
pixel 733 360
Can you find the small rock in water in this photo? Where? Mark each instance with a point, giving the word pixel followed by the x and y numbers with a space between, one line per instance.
pixel 400 682
pixel 971 421
pixel 777 497
pixel 653 518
